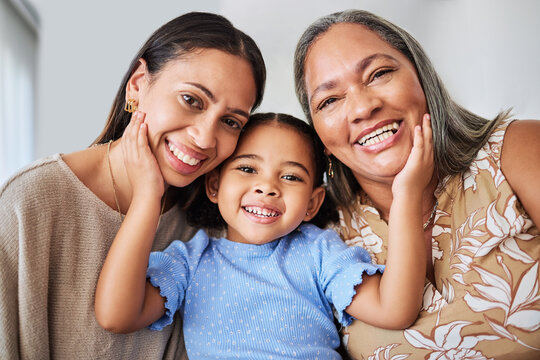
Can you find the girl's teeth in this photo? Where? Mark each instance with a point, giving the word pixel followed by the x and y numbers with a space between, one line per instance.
pixel 183 157
pixel 379 135
pixel 261 212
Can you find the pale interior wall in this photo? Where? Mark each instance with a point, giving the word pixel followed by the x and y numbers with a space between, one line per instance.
pixel 486 51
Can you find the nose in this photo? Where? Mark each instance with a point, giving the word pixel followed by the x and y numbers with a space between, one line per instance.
pixel 362 103
pixel 203 133
pixel 266 188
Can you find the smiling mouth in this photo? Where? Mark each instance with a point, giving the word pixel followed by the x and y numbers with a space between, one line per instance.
pixel 262 212
pixel 379 135
pixel 182 156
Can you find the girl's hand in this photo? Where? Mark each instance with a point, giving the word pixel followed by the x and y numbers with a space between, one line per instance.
pixel 142 168
pixel 417 172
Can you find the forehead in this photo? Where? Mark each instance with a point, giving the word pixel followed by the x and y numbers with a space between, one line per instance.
pixel 277 141
pixel 274 134
pixel 215 63
pixel 341 47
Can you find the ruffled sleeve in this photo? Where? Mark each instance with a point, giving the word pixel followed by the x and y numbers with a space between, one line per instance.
pixel 171 271
pixel 340 268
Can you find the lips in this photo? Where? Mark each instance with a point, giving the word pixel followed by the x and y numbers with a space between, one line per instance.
pixel 379 135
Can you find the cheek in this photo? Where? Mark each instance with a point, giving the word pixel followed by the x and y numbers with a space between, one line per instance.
pixel 329 130
pixel 414 95
pixel 227 144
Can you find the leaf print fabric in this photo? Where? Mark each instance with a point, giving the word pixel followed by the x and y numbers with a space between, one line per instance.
pixel 485 303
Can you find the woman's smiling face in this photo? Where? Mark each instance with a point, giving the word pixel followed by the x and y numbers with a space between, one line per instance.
pixel 195 108
pixel 365 100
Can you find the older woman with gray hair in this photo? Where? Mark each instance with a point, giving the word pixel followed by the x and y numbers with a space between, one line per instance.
pixel 364 84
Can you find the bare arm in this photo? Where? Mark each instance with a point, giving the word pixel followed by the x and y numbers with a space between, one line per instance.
pixel 125 301
pixel 520 164
pixel 393 300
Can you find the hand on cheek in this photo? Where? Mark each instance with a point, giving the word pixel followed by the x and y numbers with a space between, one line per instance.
pixel 141 165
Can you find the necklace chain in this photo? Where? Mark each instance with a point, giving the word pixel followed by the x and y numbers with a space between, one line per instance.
pixel 114 186
pixel 432 215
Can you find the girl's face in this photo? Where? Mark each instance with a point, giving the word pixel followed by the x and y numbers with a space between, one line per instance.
pixel 365 100
pixel 195 108
pixel 265 189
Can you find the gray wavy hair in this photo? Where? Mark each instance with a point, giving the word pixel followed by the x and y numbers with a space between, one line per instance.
pixel 458 134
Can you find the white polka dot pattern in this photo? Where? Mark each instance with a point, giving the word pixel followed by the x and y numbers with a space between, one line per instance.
pixel 268 301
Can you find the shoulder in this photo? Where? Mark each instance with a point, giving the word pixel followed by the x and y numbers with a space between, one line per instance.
pixel 36 178
pixel 521 149
pixel 311 231
pixel 521 143
pixel 520 165
pixel 194 247
pixel 319 241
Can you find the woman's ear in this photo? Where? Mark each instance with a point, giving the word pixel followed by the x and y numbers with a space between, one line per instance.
pixel 317 198
pixel 327 152
pixel 212 185
pixel 137 81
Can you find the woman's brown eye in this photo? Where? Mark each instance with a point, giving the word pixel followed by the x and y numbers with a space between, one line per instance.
pixel 381 73
pixel 191 101
pixel 326 103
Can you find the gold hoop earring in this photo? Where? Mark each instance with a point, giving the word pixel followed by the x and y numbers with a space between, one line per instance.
pixel 131 105
pixel 330 168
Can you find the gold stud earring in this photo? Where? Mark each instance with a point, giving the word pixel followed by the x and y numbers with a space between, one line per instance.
pixel 330 168
pixel 131 105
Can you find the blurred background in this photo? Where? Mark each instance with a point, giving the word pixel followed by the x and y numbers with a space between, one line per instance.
pixel 61 61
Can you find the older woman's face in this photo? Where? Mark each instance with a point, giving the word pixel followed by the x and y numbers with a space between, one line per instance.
pixel 365 100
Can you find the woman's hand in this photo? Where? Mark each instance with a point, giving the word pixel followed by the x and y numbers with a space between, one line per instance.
pixel 141 166
pixel 417 172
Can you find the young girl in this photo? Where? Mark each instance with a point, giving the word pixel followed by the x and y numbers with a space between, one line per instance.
pixel 269 289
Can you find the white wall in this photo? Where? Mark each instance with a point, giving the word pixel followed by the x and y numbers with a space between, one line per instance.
pixel 486 51
pixel 18 49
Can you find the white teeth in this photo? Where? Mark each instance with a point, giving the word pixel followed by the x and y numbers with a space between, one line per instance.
pixel 260 212
pixel 379 135
pixel 183 157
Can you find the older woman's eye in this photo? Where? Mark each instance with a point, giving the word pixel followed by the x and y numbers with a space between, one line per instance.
pixel 326 102
pixel 380 73
pixel 192 101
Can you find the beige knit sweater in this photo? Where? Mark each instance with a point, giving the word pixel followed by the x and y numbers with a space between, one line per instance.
pixel 54 236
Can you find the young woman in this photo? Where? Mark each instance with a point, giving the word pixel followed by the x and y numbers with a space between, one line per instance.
pixel 365 84
pixel 266 290
pixel 197 79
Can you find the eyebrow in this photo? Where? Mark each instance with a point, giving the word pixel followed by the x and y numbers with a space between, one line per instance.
pixel 212 98
pixel 359 68
pixel 257 157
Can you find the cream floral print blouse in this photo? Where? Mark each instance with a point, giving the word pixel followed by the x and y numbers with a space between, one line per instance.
pixel 486 300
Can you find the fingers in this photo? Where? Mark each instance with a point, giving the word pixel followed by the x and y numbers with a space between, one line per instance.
pixel 134 139
pixel 427 134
